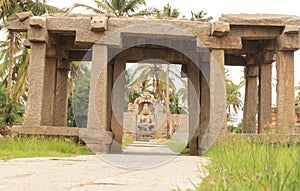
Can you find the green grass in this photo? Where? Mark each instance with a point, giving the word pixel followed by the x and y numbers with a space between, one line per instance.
pixel 39 147
pixel 244 165
pixel 126 141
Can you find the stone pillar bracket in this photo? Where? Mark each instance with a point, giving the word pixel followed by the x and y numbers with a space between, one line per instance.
pixel 291 29
pixel 220 28
pixel 38 22
pixel 288 42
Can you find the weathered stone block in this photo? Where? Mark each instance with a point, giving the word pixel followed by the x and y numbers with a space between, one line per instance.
pixel 220 28
pixel 39 22
pixel 288 42
pixel 291 29
pixel 227 42
pixel 18 26
pixel 99 23
pixel 37 34
pixel 24 15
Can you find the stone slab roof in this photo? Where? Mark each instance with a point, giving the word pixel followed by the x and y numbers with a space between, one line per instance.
pixel 260 19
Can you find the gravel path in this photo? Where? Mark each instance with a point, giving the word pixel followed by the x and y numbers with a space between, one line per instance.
pixel 92 173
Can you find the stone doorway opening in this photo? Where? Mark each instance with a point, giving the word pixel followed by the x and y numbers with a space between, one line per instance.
pixel 148 92
pixel 152 57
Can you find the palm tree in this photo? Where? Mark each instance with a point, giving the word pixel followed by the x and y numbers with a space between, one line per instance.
pixel 233 97
pixel 115 7
pixel 14 57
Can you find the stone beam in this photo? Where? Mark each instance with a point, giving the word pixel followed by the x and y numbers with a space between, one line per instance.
pixel 235 60
pixel 255 32
pixel 137 54
pixel 221 43
pixel 18 26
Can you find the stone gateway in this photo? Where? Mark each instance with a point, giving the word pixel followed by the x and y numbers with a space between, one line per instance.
pixel 202 48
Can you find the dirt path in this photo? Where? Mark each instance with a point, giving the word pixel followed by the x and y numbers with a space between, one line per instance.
pixel 92 173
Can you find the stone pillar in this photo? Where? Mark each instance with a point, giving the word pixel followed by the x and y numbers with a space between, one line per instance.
pixel 250 101
pixel 61 93
pixel 36 78
pixel 204 111
pixel 218 99
pixel 97 117
pixel 285 92
pixel 49 92
pixel 265 97
pixel 118 94
pixel 193 73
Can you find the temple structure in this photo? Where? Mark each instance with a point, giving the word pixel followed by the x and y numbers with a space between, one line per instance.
pixel 202 48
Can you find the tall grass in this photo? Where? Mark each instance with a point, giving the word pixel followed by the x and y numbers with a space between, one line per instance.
pixel 18 147
pixel 244 165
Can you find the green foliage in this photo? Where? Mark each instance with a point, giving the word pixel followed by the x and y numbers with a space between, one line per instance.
pixel 166 12
pixel 233 97
pixel 126 141
pixel 33 146
pixel 244 165
pixel 80 99
pixel 235 129
pixel 115 7
pixel 10 112
pixel 200 15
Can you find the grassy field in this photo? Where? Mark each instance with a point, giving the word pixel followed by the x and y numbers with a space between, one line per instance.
pixel 245 165
pixel 39 147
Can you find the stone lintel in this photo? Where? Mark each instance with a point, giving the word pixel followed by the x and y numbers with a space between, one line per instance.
pixel 24 15
pixel 18 26
pixel 99 23
pixel 235 60
pixel 136 54
pixel 264 32
pixel 288 42
pixel 222 43
pixel 38 22
pixel 87 36
pixel 220 28
pixel 291 29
